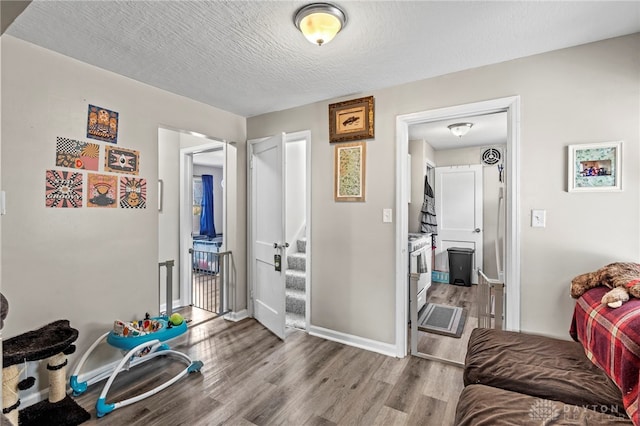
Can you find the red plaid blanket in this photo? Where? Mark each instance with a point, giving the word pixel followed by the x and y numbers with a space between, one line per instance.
pixel 611 340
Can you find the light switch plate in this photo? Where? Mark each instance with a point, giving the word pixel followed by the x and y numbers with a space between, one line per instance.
pixel 538 218
pixel 386 215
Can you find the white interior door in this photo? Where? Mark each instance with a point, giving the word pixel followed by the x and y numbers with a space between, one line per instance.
pixel 458 197
pixel 266 165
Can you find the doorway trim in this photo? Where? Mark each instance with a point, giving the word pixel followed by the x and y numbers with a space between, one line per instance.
pixel 512 232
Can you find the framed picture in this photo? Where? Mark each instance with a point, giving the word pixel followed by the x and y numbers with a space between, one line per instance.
pixel 595 167
pixel 349 171
pixel 351 120
pixel 121 160
pixel 102 124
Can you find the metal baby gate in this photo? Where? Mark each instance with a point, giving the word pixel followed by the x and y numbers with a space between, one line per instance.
pixel 210 288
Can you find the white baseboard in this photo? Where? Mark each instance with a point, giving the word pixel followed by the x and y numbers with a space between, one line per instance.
pixel 236 316
pixel 33 398
pixel 36 396
pixel 163 307
pixel 351 340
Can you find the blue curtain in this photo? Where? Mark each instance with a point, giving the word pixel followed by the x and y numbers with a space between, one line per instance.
pixel 207 227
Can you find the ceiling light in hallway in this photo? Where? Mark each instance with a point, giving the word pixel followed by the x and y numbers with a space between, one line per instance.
pixel 320 22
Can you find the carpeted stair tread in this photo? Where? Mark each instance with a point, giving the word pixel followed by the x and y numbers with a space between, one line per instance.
pixel 295 302
pixel 295 279
pixel 296 297
pixel 297 261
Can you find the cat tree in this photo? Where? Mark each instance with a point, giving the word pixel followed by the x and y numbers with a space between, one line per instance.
pixel 52 342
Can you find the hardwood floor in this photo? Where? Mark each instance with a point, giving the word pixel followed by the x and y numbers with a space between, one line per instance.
pixel 451 348
pixel 195 316
pixel 250 377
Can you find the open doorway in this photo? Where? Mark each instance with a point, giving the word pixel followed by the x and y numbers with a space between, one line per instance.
pixel 192 220
pixel 457 209
pixel 278 235
pixel 441 118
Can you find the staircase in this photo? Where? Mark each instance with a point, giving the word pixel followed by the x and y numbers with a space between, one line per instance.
pixel 296 292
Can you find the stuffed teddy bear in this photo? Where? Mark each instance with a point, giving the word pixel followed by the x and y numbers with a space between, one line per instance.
pixel 623 278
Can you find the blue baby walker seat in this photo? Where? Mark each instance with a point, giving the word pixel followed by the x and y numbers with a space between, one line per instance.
pixel 141 345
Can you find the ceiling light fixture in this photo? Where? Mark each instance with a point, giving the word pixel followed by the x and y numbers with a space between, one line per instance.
pixel 320 22
pixel 460 129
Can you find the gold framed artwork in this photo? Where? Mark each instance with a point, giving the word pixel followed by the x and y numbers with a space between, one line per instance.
pixel 349 171
pixel 351 120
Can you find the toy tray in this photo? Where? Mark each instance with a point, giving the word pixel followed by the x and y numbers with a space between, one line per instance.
pixel 164 333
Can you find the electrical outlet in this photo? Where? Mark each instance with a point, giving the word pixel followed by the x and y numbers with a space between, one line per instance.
pixel 386 215
pixel 538 218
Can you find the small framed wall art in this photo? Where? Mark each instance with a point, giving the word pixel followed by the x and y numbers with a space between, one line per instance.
pixel 350 171
pixel 121 160
pixel 102 124
pixel 133 193
pixel 351 120
pixel 595 167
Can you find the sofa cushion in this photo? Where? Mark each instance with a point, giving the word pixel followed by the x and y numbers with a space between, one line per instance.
pixel 481 405
pixel 539 366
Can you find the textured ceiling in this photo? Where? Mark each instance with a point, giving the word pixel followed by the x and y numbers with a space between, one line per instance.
pixel 487 130
pixel 249 59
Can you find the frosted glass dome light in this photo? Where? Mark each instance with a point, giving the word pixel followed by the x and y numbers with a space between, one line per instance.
pixel 460 129
pixel 320 22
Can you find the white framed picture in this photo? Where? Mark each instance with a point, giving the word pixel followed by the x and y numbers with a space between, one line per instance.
pixel 595 167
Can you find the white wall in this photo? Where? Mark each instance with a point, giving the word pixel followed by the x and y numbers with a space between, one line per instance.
pixel 90 266
pixel 296 190
pixel 169 217
pixel 583 94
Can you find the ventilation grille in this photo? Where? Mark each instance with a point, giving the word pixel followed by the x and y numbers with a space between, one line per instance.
pixel 491 156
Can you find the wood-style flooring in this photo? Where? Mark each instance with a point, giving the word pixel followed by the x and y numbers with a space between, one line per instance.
pixel 250 377
pixel 447 347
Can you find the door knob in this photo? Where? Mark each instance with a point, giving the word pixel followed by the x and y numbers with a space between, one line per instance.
pixel 276 245
pixel 477 230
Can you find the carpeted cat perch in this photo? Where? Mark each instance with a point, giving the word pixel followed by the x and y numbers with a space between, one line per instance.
pixel 52 342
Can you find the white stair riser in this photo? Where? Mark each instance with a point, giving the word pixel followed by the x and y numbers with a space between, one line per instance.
pixel 296 321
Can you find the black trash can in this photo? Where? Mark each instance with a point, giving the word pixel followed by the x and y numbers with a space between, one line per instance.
pixel 460 260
